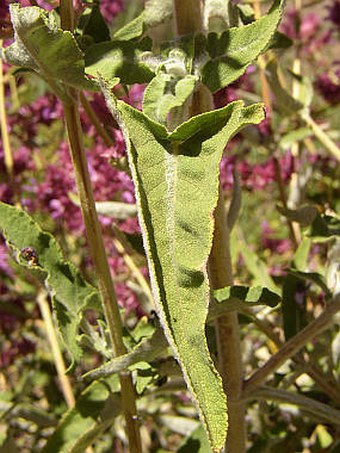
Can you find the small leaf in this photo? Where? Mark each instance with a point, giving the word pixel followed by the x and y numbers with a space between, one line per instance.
pixel 234 50
pixel 258 269
pixel 164 93
pixel 197 442
pixel 71 293
pixel 93 413
pixel 239 297
pixel 132 30
pixel 176 182
pixel 324 228
pixel 42 46
pixel 93 25
pixel 147 350
pixel 312 277
pixel 124 59
pixel 286 103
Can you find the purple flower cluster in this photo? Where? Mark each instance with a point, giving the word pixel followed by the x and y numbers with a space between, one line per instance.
pixel 328 85
pixel 255 176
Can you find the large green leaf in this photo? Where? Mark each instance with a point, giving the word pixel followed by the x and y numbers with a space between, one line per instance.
pixel 43 47
pixel 92 414
pixel 233 51
pixel 71 293
pixel 176 177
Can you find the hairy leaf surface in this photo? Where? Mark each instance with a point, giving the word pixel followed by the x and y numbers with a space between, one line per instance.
pixel 93 412
pixel 43 47
pixel 233 51
pixel 71 293
pixel 176 177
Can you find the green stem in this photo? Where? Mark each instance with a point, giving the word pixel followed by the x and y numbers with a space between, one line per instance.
pixel 292 346
pixel 228 333
pixel 97 249
pixel 98 254
pixel 51 334
pixel 322 136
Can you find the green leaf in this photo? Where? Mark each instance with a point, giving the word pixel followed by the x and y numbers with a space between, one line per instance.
pixel 313 277
pixel 71 293
pixel 132 30
pixel 164 93
pixel 92 24
pixel 158 12
pixel 197 442
pixel 324 228
pixel 301 254
pixel 258 269
pixel 285 102
pixel 127 60
pixel 176 182
pixel 238 297
pixel 235 49
pixel 147 350
pixel 42 46
pixel 294 136
pixel 92 414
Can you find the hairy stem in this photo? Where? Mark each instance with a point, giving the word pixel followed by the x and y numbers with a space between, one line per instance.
pixel 292 346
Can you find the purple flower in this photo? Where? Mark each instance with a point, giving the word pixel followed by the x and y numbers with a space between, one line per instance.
pixel 110 9
pixel 334 13
pixel 328 84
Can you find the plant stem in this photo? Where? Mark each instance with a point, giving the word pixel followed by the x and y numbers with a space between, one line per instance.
pixel 57 356
pixel 313 408
pixel 97 249
pixel 98 254
pixel 228 333
pixel 95 121
pixel 292 346
pixel 322 136
pixel 3 125
pixel 188 16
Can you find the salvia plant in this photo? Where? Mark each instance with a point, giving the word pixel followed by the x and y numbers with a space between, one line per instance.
pixel 179 347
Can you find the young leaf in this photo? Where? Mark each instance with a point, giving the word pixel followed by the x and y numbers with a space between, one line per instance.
pixel 233 51
pixel 176 182
pixel 42 46
pixel 197 442
pixel 71 293
pixel 92 414
pixel 164 93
